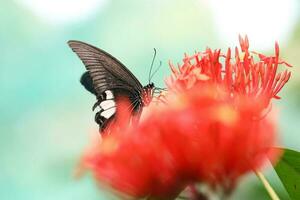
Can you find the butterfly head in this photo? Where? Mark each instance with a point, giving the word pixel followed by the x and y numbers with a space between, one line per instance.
pixel 147 94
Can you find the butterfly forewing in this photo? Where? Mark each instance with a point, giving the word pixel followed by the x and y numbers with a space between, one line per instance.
pixel 106 71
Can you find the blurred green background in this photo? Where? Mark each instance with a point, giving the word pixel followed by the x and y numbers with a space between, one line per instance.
pixel 46 118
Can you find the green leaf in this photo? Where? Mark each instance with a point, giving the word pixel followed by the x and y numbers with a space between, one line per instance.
pixel 288 170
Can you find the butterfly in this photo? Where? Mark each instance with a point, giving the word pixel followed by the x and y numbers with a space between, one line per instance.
pixel 108 79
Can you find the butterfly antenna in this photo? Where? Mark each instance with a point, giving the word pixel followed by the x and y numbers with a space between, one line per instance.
pixel 156 70
pixel 154 55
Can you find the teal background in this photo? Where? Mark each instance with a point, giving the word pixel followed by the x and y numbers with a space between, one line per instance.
pixel 46 120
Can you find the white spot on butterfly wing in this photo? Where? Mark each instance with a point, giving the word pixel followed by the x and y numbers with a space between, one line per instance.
pixel 109 94
pixel 107 104
pixel 108 113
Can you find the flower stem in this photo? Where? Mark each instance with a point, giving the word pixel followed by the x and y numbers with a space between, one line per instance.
pixel 267 185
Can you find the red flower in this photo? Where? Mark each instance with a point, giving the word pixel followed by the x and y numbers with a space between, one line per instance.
pixel 242 75
pixel 206 132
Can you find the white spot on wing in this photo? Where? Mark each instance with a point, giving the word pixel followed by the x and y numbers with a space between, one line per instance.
pixel 97 109
pixel 107 104
pixel 109 94
pixel 108 113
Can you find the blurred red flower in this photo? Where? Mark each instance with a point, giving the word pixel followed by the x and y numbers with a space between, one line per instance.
pixel 208 131
pixel 197 138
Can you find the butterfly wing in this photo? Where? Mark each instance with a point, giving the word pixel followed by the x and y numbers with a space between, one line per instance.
pixel 106 71
pixel 109 80
pixel 87 82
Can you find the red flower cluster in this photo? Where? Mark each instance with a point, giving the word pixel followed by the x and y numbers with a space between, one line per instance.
pixel 207 132
pixel 198 138
pixel 241 76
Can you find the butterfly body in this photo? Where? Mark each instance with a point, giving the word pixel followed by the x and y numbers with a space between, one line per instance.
pixel 111 82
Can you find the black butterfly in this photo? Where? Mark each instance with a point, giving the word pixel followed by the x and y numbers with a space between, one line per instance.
pixel 110 80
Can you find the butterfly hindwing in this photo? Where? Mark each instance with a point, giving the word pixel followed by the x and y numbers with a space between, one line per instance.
pixel 87 82
pixel 107 105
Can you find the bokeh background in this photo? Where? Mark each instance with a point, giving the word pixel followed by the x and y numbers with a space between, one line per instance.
pixel 45 114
